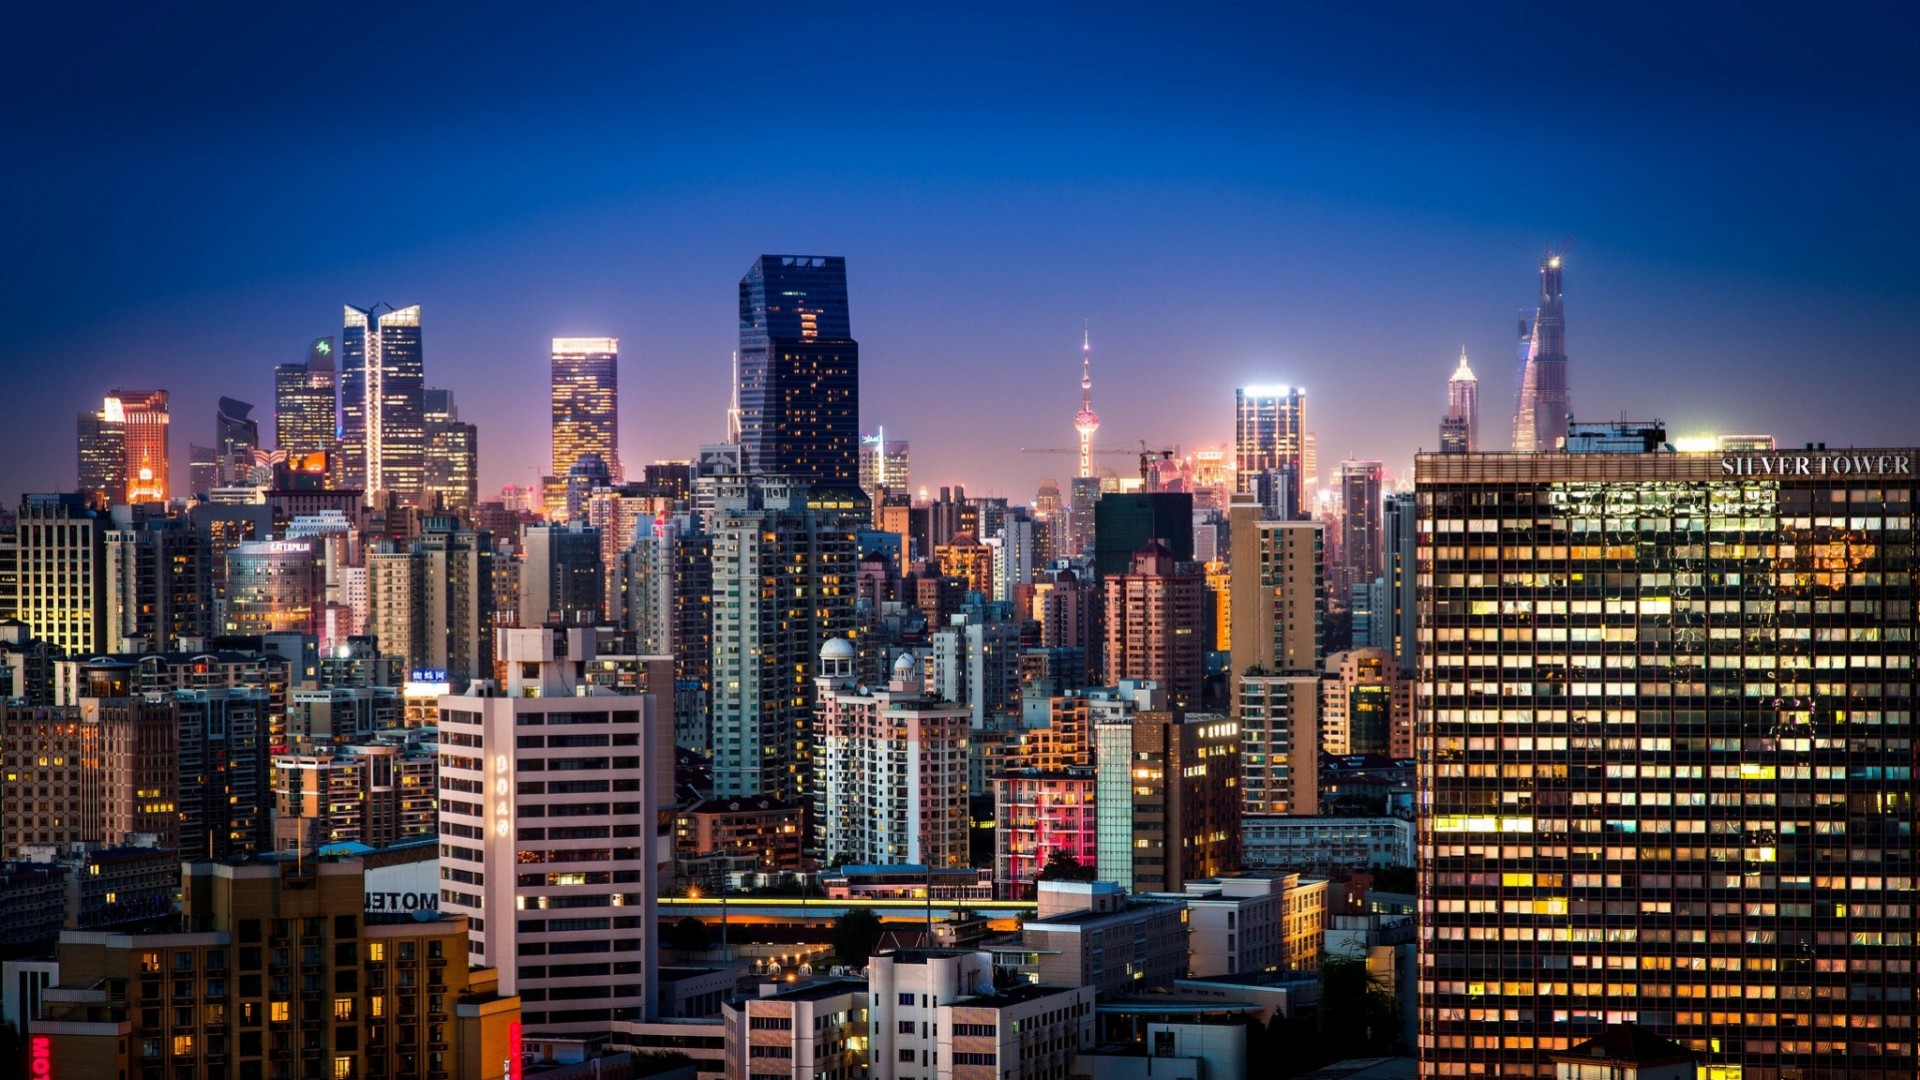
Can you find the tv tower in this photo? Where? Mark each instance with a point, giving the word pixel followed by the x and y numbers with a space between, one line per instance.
pixel 1086 422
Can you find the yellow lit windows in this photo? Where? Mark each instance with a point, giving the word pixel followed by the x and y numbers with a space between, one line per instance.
pixel 278 1012
pixel 377 951
pixel 343 1008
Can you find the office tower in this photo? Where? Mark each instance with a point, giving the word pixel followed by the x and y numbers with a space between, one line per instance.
pixel 799 380
pixel 102 456
pixel 586 402
pixel 62 567
pixel 785 566
pixel 432 602
pixel 269 957
pixel 1399 530
pixel 892 768
pixel 1125 522
pixel 1683 797
pixel 1063 606
pixel 1279 615
pixel 1086 421
pixel 1167 799
pixel 1362 556
pixel 884 463
pixel 159 586
pixel 1156 624
pixel 236 438
pixel 554 857
pixel 1460 428
pixel 203 470
pixel 1083 492
pixel 1366 707
pixel 306 402
pixel 226 781
pixel 561 579
pixel 453 455
pixel 666 587
pixel 382 382
pixel 1269 429
pixel 144 420
pixel 274 586
pixel 1544 407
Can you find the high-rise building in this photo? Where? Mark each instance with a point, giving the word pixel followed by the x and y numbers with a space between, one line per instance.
pixel 799 381
pixel 884 463
pixel 1125 522
pixel 1269 435
pixel 1278 637
pixel 1041 815
pixel 1167 799
pixel 236 439
pixel 376 995
pixel 1156 625
pixel 453 456
pixel 274 586
pixel 432 601
pixel 1460 428
pixel 784 563
pixel 62 572
pixel 103 455
pixel 1543 406
pixel 586 402
pixel 1366 706
pixel 892 768
pixel 145 424
pixel 226 778
pixel 1683 797
pixel 1400 533
pixel 306 403
pixel 562 578
pixel 383 433
pixel 553 857
pixel 159 586
pixel 1362 555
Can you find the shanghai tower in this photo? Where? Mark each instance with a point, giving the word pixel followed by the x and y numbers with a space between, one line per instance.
pixel 1540 418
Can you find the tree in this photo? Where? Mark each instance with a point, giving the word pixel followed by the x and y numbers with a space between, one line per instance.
pixel 1062 866
pixel 689 935
pixel 1358 1014
pixel 854 936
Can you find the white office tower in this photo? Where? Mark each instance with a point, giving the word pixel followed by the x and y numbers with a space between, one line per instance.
pixel 892 768
pixel 548 793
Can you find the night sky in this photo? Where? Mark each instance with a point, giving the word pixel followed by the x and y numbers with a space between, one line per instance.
pixel 1333 200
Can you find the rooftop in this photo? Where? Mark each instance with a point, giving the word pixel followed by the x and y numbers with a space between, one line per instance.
pixel 1628 1044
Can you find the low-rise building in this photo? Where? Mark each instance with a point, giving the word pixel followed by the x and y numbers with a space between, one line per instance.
pixel 936 1013
pixel 1324 845
pixel 1091 934
pixel 817 1030
pixel 764 832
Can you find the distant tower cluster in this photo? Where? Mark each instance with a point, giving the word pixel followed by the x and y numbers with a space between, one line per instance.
pixel 1086 421
pixel 1460 428
pixel 1540 414
pixel 586 404
pixel 382 386
pixel 1270 446
pixel 124 448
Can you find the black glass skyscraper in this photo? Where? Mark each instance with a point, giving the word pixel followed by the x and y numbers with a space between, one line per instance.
pixel 799 370
pixel 305 402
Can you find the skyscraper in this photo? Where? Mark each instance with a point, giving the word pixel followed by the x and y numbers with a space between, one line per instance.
pixel 1362 555
pixel 453 455
pixel 305 402
pixel 382 384
pixel 785 566
pixel 799 379
pixel 1540 417
pixel 1167 799
pixel 1460 428
pixel 62 566
pixel 562 579
pixel 123 448
pixel 586 402
pixel 103 456
pixel 1269 436
pixel 1278 635
pixel 884 463
pixel 1684 796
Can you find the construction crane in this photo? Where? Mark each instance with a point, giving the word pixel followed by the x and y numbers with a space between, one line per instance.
pixel 1147 454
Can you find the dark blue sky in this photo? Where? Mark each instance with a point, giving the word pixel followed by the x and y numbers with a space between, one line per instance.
pixel 1331 199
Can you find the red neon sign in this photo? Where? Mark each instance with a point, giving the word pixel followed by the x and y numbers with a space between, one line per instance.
pixel 513 1050
pixel 40 1058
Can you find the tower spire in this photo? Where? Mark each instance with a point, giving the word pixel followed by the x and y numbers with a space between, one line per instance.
pixel 733 408
pixel 1086 422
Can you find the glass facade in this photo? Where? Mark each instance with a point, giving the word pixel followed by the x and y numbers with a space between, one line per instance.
pixel 586 399
pixel 799 370
pixel 1269 434
pixel 382 386
pixel 304 402
pixel 1665 750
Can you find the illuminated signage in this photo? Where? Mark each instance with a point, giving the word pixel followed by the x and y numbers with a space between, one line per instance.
pixel 512 1071
pixel 40 1058
pixel 1817 464
pixel 403 901
pixel 428 675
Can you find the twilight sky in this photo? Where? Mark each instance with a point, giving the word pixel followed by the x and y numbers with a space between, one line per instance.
pixel 1329 199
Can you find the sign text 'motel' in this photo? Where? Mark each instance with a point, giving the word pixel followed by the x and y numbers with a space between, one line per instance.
pixel 403 901
pixel 1817 465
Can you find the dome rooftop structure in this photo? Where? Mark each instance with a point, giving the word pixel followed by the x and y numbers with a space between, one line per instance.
pixel 906 666
pixel 837 649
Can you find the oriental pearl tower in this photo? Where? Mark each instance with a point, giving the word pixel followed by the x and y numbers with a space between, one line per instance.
pixel 1086 421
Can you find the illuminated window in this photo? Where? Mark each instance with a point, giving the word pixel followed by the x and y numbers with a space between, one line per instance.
pixel 278 1012
pixel 377 951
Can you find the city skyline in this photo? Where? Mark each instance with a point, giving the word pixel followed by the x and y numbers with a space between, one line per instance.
pixel 1274 275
